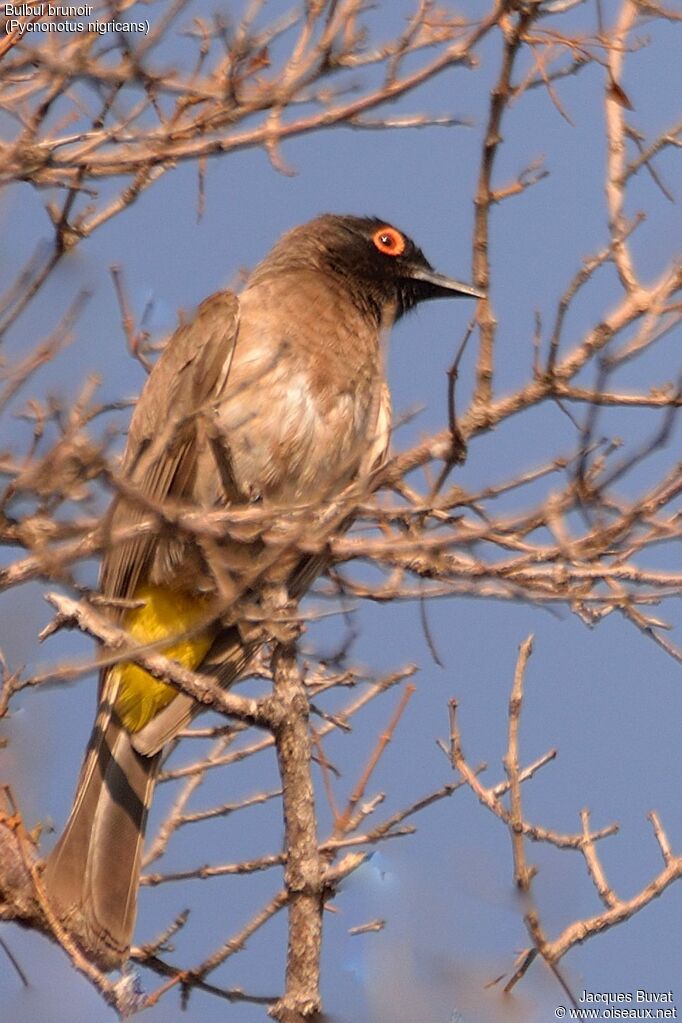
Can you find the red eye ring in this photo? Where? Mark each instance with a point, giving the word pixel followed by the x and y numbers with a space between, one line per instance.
pixel 389 241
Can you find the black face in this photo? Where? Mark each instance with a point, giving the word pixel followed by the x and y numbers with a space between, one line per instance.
pixel 379 266
pixel 383 263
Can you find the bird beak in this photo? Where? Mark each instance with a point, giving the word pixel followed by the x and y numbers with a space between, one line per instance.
pixel 440 286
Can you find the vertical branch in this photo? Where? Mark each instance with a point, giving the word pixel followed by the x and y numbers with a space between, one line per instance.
pixel 616 103
pixel 303 873
pixel 594 867
pixel 523 873
pixel 501 94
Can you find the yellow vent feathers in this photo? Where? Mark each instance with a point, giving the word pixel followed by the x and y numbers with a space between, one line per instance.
pixel 165 614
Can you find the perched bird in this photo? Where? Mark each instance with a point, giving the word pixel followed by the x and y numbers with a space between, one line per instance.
pixel 277 396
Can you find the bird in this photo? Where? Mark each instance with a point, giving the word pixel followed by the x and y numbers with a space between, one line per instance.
pixel 275 398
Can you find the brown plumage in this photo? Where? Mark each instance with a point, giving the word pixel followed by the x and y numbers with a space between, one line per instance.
pixel 277 396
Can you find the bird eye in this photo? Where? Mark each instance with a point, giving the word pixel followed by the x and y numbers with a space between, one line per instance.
pixel 389 241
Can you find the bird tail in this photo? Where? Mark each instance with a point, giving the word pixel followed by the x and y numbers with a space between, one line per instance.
pixel 92 874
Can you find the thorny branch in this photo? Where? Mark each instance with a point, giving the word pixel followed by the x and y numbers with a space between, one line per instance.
pixel 616 909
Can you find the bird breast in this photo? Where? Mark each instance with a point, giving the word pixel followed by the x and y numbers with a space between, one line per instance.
pixel 301 401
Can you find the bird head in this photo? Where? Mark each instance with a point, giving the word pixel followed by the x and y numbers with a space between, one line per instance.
pixel 379 265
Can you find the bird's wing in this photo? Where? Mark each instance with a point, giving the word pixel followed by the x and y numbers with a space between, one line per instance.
pixel 380 439
pixel 160 460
